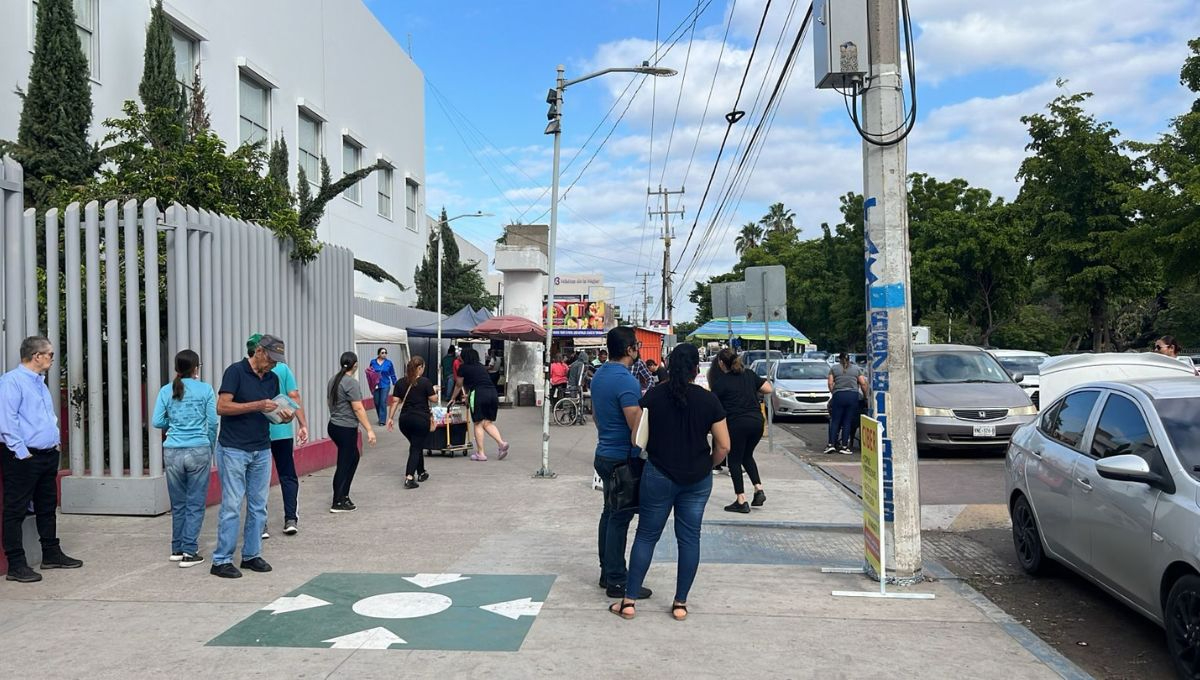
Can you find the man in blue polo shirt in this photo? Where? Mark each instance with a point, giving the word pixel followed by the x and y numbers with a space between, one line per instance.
pixel 247 394
pixel 615 395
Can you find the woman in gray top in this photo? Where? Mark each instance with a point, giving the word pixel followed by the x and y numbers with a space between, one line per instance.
pixel 346 413
pixel 846 381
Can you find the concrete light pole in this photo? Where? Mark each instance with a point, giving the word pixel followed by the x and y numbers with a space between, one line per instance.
pixel 890 294
pixel 555 98
pixel 441 225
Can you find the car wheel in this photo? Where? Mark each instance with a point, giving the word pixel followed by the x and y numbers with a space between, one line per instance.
pixel 1182 619
pixel 1027 540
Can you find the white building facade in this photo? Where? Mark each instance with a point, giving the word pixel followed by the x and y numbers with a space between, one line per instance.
pixel 323 73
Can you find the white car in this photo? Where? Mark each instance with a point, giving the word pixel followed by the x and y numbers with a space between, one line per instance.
pixel 1025 363
pixel 801 387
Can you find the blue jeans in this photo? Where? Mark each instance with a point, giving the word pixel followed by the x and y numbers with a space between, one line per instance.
pixel 657 496
pixel 843 412
pixel 381 399
pixel 244 475
pixel 187 485
pixel 613 531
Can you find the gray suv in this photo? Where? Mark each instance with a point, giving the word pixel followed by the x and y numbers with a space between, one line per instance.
pixel 965 399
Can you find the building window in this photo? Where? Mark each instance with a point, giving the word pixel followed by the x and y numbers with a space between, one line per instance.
pixel 385 192
pixel 310 148
pixel 87 15
pixel 254 110
pixel 410 203
pixel 351 161
pixel 187 56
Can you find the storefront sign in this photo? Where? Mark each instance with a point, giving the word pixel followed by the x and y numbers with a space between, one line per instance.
pixel 583 318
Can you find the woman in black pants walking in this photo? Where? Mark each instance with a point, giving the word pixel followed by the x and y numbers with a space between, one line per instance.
pixel 346 413
pixel 411 398
pixel 738 391
pixel 846 382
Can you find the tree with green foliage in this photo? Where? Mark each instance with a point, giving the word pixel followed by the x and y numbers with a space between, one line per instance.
pixel 462 284
pixel 1075 195
pixel 779 219
pixel 197 118
pixel 749 237
pixel 161 94
pixel 52 136
pixel 277 162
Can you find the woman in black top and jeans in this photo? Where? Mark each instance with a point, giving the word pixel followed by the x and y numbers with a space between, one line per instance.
pixel 738 391
pixel 474 382
pixel 677 475
pixel 411 397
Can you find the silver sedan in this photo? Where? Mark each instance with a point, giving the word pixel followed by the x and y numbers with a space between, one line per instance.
pixel 800 387
pixel 1106 481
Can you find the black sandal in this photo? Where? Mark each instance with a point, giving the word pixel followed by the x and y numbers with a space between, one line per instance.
pixel 619 608
pixel 679 607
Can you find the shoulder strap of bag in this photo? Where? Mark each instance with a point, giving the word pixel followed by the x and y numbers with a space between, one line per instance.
pixel 404 399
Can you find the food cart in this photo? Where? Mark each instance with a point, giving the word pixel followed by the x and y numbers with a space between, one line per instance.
pixel 452 434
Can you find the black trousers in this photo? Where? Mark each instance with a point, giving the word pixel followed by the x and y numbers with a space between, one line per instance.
pixel 32 479
pixel 744 435
pixel 346 440
pixel 285 467
pixel 414 425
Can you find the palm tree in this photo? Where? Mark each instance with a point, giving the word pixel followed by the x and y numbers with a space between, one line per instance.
pixel 778 218
pixel 750 237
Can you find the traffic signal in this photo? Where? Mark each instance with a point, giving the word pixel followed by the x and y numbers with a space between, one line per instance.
pixel 554 114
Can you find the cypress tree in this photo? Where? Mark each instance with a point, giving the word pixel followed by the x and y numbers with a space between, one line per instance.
pixel 160 92
pixel 197 118
pixel 52 137
pixel 277 162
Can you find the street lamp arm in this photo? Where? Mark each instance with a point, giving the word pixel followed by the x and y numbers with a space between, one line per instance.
pixel 648 70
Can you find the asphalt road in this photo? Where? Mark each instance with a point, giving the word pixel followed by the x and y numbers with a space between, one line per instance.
pixel 965 522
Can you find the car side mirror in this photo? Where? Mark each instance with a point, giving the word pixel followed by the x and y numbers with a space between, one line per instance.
pixel 1127 468
pixel 1017 377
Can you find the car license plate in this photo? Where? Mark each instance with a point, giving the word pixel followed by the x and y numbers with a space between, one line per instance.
pixel 984 430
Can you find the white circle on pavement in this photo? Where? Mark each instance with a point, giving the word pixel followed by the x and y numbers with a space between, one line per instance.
pixel 402 605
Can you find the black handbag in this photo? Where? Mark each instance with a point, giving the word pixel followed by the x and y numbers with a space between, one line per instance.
pixel 622 490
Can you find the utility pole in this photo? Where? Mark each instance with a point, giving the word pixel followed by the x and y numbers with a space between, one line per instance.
pixel 645 296
pixel 667 306
pixel 889 287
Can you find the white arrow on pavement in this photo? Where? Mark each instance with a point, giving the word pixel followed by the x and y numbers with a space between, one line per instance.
pixel 293 604
pixel 372 638
pixel 515 609
pixel 430 580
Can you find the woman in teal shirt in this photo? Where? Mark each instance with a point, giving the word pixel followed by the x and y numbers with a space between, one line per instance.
pixel 187 410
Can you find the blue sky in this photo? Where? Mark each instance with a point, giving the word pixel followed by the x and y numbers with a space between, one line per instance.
pixel 980 67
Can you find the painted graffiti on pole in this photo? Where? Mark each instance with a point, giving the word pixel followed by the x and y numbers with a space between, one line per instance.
pixel 880 300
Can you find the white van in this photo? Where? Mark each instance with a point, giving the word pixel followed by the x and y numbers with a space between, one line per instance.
pixel 1062 373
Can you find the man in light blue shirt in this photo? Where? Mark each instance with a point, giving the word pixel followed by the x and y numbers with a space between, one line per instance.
pixel 29 457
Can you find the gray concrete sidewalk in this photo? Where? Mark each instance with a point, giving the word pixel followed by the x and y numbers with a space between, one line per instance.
pixel 760 605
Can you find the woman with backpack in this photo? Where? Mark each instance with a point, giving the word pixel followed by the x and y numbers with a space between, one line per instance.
pixel 411 399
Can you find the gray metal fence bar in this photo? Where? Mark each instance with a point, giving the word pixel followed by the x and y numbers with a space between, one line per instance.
pixel 112 318
pixel 194 304
pixel 133 337
pixel 73 268
pixel 95 367
pixel 172 275
pixel 29 256
pixel 52 300
pixel 209 320
pixel 14 298
pixel 150 215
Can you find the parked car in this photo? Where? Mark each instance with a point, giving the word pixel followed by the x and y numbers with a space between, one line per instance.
pixel 1105 482
pixel 800 388
pixel 752 355
pixel 1026 363
pixel 762 367
pixel 964 399
pixel 816 355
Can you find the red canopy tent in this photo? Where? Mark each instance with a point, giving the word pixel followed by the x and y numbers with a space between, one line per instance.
pixel 510 327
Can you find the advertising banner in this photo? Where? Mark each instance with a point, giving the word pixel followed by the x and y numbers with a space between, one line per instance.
pixel 582 319
pixel 872 493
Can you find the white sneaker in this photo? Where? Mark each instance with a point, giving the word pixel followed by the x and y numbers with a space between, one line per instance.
pixel 289 527
pixel 830 449
pixel 175 557
pixel 266 534
pixel 190 560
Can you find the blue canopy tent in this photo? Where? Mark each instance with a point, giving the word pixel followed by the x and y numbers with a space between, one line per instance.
pixel 738 327
pixel 457 325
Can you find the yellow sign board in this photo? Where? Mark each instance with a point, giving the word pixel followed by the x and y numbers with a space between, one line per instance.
pixel 872 493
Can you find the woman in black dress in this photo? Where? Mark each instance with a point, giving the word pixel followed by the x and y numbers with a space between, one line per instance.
pixel 411 398
pixel 473 381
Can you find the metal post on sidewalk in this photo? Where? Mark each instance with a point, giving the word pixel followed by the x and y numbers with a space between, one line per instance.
pixel 767 341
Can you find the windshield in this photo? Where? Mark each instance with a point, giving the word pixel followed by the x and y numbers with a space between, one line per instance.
pixel 761 367
pixel 1025 365
pixel 1183 429
pixel 939 368
pixel 804 371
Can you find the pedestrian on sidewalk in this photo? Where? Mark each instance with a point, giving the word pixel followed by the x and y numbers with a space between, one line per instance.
pixel 346 414
pixel 484 402
pixel 846 381
pixel 645 378
pixel 448 362
pixel 495 364
pixel 615 394
pixel 558 378
pixel 383 366
pixel 247 394
pixel 411 399
pixel 187 410
pixel 676 478
pixel 738 391
pixel 283 449
pixel 29 458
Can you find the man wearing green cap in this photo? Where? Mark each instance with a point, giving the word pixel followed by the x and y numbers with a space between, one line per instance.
pixel 247 393
pixel 283 442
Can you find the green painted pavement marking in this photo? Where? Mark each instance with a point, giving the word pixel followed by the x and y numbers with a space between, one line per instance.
pixel 465 612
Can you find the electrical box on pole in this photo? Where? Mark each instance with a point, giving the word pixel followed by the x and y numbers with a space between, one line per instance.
pixel 839 42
